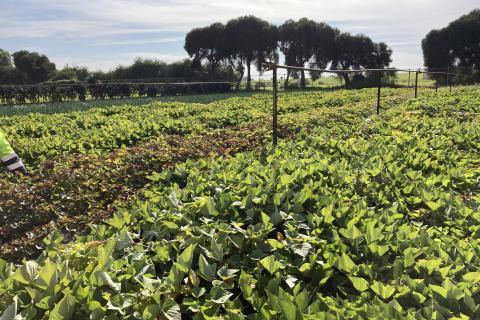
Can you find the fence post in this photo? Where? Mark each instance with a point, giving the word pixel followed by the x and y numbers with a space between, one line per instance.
pixel 416 83
pixel 274 111
pixel 448 76
pixel 448 79
pixel 408 85
pixel 379 91
pixel 436 86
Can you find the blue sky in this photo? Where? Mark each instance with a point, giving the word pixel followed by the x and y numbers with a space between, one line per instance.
pixel 102 34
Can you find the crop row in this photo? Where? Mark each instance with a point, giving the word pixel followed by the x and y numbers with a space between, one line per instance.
pixel 38 136
pixel 71 190
pixel 377 217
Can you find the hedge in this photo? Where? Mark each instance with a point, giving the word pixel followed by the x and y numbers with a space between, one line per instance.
pixel 10 95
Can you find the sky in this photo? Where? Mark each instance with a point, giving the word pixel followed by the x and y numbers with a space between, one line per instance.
pixel 102 34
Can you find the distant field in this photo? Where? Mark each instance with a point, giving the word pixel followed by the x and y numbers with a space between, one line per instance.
pixel 334 81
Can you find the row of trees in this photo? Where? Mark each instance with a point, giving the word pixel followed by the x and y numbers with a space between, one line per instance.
pixel 222 52
pixel 24 67
pixel 455 48
pixel 250 41
pixel 82 92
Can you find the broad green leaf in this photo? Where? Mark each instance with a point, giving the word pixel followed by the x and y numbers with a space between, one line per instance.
pixel 351 233
pixel 275 244
pixel 171 310
pixel 302 300
pixel 285 179
pixel 434 205
pixel 289 311
pixel 472 277
pixel 359 283
pixel 27 273
pixel 372 234
pixel 383 291
pixel 105 254
pixel 377 249
pixel 430 265
pixel 346 264
pixel 175 276
pixel 184 261
pixel 207 271
pixel 271 264
pixel 327 214
pixel 11 312
pixel 162 253
pixel 151 312
pixel 64 309
pixel 219 295
pixel 104 279
pixel 124 240
pixel 217 250
pixel 46 275
pixel 117 221
pixel 439 290
pixel 226 273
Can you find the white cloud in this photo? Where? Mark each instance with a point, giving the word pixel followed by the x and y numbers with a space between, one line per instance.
pixel 167 57
pixel 114 60
pixel 400 23
pixel 107 42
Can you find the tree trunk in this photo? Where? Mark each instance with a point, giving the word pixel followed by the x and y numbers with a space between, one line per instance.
pixel 249 78
pixel 212 68
pixel 286 80
pixel 211 60
pixel 347 80
pixel 239 81
pixel 302 79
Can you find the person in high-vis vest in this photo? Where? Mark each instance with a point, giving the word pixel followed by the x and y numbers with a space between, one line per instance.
pixel 9 158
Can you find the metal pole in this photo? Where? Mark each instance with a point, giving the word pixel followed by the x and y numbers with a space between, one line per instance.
pixel 379 91
pixel 448 78
pixel 436 85
pixel 274 116
pixel 408 78
pixel 416 83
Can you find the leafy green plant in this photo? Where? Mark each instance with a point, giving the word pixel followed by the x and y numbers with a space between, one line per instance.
pixel 375 217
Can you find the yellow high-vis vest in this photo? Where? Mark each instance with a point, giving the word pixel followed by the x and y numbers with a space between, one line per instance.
pixel 9 157
pixel 5 148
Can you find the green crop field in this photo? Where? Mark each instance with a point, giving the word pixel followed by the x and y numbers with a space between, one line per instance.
pixel 181 208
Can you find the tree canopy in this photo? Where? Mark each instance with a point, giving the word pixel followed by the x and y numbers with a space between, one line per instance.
pixel 33 66
pixel 300 41
pixel 357 52
pixel 226 51
pixel 455 46
pixel 206 44
pixel 251 40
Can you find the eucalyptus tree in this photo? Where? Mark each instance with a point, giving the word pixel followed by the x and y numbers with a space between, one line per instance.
pixel 249 40
pixel 457 46
pixel 206 44
pixel 300 41
pixel 359 52
pixel 33 66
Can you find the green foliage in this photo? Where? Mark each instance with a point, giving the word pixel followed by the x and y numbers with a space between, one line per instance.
pixel 35 67
pixel 58 92
pixel 353 218
pixel 455 48
pixel 40 136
